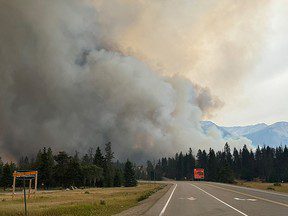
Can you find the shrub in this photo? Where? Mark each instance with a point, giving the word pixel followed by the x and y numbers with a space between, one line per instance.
pixel 102 202
pixel 270 188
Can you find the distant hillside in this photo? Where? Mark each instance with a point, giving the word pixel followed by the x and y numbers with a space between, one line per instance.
pixel 260 134
pixel 244 130
pixel 206 125
pixel 273 135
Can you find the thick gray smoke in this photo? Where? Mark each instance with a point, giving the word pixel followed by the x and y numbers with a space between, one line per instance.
pixel 65 84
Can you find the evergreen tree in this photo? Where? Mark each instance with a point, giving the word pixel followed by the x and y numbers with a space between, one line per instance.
pixel 158 171
pixel 118 178
pixel 236 163
pixel 150 171
pixel 278 169
pixel 268 155
pixel 129 175
pixel 99 161
pixel 61 168
pixel 108 168
pixel 246 164
pixel 190 164
pixel 7 175
pixel 258 163
pixel 44 165
pixel 91 174
pixel 199 163
pixel 285 164
pixel 99 158
pixel 24 164
pixel 225 173
pixel 180 167
pixel 211 172
pixel 74 172
pixel 202 159
pixel 86 159
pixel 1 169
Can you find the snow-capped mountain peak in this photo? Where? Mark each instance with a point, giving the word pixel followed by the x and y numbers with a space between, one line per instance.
pixel 260 134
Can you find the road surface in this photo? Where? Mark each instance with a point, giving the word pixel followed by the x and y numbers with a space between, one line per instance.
pixel 208 199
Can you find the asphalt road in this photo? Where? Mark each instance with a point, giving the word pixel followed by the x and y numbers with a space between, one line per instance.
pixel 206 198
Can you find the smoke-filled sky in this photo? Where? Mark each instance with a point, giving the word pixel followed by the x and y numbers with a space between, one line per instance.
pixel 142 74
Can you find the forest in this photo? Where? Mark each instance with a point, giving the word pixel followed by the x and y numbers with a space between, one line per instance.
pixel 99 169
pixel 264 164
pixel 94 169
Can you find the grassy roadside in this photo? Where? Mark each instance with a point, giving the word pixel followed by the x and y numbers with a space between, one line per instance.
pixel 283 187
pixel 93 201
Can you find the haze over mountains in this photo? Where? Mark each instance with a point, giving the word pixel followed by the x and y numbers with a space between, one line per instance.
pixel 260 134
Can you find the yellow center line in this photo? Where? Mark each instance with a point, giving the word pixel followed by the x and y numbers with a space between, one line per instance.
pixel 249 195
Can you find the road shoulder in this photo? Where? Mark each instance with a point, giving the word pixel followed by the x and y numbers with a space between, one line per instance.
pixel 146 204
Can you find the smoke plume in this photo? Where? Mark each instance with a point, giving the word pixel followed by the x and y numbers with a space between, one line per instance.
pixel 76 74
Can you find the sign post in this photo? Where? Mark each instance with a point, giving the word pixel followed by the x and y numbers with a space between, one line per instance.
pixel 25 201
pixel 25 175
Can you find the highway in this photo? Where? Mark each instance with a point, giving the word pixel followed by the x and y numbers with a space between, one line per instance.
pixel 208 199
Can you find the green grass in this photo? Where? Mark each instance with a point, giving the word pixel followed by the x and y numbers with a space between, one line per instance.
pixel 147 194
pixel 94 201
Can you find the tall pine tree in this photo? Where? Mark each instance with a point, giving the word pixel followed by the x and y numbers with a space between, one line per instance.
pixel 129 175
pixel 108 168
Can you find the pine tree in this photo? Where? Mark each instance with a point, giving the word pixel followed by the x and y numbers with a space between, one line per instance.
pixel 225 173
pixel 86 159
pixel 7 172
pixel 74 172
pixel 98 158
pixel 158 171
pixel 91 174
pixel 44 165
pixel 199 160
pixel 150 171
pixel 118 178
pixel 268 155
pixel 1 169
pixel 164 166
pixel 180 167
pixel 202 159
pixel 108 168
pixel 190 164
pixel 61 168
pixel 24 163
pixel 129 175
pixel 278 168
pixel 211 172
pixel 246 165
pixel 285 164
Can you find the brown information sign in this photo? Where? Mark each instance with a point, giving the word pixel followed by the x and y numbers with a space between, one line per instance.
pixel 23 174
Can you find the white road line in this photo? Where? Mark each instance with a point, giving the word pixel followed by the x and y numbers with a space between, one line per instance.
pixel 220 200
pixel 164 208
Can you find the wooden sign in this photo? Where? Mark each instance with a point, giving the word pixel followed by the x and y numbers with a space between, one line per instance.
pixel 25 174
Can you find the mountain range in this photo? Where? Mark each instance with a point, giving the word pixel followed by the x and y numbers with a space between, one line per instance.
pixel 260 134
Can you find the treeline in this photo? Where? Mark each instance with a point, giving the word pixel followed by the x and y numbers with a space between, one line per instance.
pixel 94 169
pixel 265 164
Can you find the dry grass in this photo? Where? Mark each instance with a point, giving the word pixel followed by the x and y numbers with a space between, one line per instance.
pixel 93 201
pixel 265 186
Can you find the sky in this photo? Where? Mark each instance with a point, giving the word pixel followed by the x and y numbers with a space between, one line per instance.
pixel 263 94
pixel 236 49
pixel 143 74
